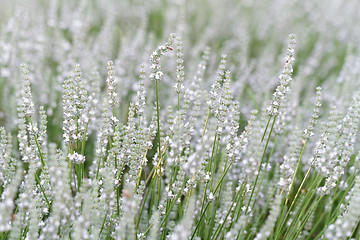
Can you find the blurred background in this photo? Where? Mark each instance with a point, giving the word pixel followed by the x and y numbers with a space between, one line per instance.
pixel 51 36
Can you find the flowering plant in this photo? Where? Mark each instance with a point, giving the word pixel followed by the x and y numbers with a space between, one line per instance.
pixel 107 135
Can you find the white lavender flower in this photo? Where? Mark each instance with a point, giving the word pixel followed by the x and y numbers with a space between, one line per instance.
pixel 313 120
pixel 201 69
pixel 75 119
pixel 102 139
pixel 344 225
pixel 69 110
pixel 22 135
pixel 211 197
pixel 27 102
pixel 285 78
pixel 7 203
pixel 183 229
pixel 179 87
pixel 42 135
pixel 344 147
pixel 327 144
pixel 140 101
pixel 81 101
pixel 156 72
pixel 269 225
pixel 111 86
pixel 287 168
pixel 215 87
pixel 76 158
pixel 223 105
pixel 241 142
pixel 5 156
pixel 62 207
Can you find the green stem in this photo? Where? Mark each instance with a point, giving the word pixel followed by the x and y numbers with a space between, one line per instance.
pixel 214 158
pixel 200 220
pixel 178 195
pixel 222 178
pixel 305 205
pixel 307 217
pixel 219 228
pixel 158 116
pixel 143 205
pixel 291 185
pixel 178 105
pixel 217 204
pixel 296 170
pixel 42 190
pixel 355 228
pixel 204 198
pixel 98 168
pixel 37 144
pixel 239 204
pixel 292 204
pixel 266 167
pixel 206 123
pixel 267 125
pixel 259 169
pixel 262 160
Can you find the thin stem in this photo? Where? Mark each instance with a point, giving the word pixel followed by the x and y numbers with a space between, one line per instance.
pixel 262 160
pixel 204 198
pixel 307 217
pixel 213 157
pixel 259 169
pixel 296 170
pixel 293 202
pixel 267 125
pixel 219 228
pixel 43 191
pixel 37 144
pixel 200 220
pixel 291 185
pixel 206 123
pixel 158 115
pixel 178 105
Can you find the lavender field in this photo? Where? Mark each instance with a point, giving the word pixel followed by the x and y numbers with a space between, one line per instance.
pixel 179 119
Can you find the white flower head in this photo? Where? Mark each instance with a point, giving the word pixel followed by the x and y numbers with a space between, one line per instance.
pixel 76 158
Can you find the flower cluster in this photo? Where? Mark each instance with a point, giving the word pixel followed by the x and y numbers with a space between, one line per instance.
pixel 27 102
pixel 285 78
pixel 215 87
pixel 76 158
pixel 344 147
pixel 75 109
pixel 183 147
pixel 310 130
pixel 179 87
pixel 111 86
pixel 344 225
pixel 156 72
